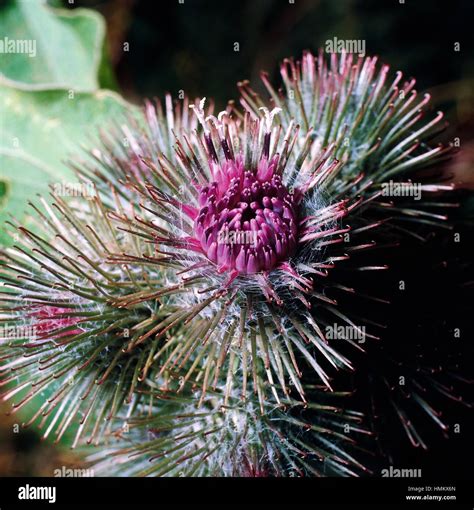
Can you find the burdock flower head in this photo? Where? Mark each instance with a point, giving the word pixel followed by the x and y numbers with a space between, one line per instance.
pixel 250 214
pixel 240 221
pixel 248 220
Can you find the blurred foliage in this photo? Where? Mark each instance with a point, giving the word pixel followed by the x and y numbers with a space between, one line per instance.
pixel 22 453
pixel 51 102
pixel 56 34
pixel 43 129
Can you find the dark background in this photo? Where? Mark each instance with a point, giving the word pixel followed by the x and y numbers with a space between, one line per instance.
pixel 189 46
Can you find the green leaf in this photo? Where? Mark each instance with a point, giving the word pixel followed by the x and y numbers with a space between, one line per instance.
pixel 52 48
pixel 39 130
